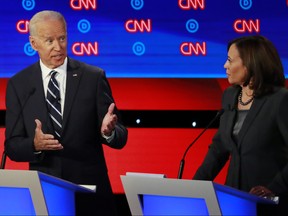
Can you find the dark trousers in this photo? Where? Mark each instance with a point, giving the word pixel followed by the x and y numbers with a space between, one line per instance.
pixel 274 210
pixel 94 204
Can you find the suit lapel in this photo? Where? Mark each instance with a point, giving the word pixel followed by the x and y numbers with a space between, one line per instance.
pixel 230 124
pixel 38 104
pixel 252 114
pixel 233 98
pixel 72 84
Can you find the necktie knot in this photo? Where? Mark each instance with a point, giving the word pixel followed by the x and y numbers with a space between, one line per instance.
pixel 52 72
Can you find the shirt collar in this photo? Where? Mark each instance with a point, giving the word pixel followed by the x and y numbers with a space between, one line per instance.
pixel 45 70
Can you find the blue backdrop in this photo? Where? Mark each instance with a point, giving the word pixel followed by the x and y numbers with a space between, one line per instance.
pixel 146 38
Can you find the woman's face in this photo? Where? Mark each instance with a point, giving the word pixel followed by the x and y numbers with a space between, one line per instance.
pixel 235 70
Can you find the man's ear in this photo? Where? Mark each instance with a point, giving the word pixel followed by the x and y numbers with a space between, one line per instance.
pixel 33 43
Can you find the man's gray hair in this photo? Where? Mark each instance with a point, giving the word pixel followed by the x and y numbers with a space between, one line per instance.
pixel 43 16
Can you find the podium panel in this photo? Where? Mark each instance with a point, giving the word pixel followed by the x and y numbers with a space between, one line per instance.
pixel 27 192
pixel 171 205
pixel 161 196
pixel 16 201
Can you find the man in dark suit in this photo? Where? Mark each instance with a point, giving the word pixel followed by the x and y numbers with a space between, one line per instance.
pixel 87 109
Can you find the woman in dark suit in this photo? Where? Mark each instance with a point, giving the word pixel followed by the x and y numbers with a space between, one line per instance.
pixel 253 130
pixel 88 116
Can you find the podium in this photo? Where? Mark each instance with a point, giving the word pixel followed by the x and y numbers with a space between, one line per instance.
pixel 148 195
pixel 27 192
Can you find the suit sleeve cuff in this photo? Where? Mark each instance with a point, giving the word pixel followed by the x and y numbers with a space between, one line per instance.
pixel 109 138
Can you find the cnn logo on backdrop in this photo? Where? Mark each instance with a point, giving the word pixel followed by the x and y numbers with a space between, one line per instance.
pixel 133 26
pixel 191 4
pixel 242 26
pixel 196 49
pixel 83 4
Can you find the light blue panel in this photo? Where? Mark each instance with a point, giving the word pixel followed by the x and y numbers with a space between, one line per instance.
pixel 234 205
pixel 171 205
pixel 16 201
pixel 59 200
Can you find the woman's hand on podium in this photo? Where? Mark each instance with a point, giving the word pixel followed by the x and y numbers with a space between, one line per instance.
pixel 262 191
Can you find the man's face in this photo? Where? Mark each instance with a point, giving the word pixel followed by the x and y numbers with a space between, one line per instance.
pixel 50 42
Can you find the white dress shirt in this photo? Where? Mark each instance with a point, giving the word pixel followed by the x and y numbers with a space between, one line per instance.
pixel 60 77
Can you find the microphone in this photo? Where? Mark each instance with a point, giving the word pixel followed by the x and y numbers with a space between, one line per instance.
pixel 4 156
pixel 182 162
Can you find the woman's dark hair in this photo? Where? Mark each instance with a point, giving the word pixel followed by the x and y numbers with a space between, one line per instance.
pixel 263 63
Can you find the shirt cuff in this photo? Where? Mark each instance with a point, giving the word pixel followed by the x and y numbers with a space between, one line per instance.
pixel 109 138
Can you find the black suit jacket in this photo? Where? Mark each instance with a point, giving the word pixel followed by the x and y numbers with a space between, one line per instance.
pixel 88 96
pixel 261 155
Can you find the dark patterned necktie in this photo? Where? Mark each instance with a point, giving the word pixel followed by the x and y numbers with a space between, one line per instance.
pixel 53 103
